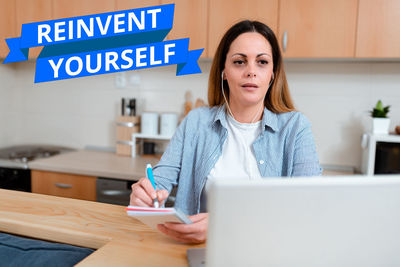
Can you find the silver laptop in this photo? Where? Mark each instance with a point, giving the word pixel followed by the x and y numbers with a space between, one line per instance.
pixel 337 221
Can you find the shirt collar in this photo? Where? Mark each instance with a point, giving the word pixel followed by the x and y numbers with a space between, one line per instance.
pixel 269 119
pixel 220 115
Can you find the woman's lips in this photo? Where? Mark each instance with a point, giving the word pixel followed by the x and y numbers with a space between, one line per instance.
pixel 250 86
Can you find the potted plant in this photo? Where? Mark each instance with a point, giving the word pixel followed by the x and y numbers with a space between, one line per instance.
pixel 380 121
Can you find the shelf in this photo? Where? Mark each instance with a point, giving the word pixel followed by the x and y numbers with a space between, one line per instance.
pixel 391 138
pixel 136 136
pixel 147 136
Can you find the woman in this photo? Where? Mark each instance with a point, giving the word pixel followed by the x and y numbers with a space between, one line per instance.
pixel 250 130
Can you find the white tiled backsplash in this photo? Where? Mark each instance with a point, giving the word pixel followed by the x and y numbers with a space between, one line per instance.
pixel 335 96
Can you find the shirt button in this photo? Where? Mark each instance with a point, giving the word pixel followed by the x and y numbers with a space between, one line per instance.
pixel 261 162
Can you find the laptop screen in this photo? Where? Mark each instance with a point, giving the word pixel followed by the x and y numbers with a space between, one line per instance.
pixel 332 221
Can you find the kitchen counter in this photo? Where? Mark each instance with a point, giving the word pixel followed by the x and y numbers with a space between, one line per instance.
pixel 95 163
pixel 120 240
pixel 111 165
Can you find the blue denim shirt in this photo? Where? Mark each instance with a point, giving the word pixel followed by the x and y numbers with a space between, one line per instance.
pixel 285 147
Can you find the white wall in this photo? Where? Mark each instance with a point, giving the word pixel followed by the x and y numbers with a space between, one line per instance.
pixel 8 98
pixel 335 96
pixel 82 111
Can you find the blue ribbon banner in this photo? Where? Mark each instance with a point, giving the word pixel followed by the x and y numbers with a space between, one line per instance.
pixel 104 43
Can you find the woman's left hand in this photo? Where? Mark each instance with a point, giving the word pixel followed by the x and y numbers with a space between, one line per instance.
pixel 187 233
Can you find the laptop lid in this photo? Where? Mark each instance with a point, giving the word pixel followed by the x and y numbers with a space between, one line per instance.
pixel 333 221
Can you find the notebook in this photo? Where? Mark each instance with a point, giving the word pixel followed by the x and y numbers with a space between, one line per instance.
pixel 333 221
pixel 153 216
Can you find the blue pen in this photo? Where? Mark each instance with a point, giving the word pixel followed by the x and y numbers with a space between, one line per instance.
pixel 149 175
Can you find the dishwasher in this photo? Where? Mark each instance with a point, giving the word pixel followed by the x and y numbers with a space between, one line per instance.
pixel 113 191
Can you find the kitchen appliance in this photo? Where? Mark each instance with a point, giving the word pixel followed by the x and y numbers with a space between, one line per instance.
pixel 381 154
pixel 168 123
pixel 128 107
pixel 148 148
pixel 149 123
pixel 113 191
pixel 14 168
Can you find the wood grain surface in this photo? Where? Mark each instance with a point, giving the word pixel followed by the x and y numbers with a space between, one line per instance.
pixel 119 239
pixel 95 163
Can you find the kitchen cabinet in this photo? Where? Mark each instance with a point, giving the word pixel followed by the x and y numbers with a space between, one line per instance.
pixel 7 24
pixel 378 34
pixel 190 21
pixel 73 8
pixel 131 4
pixel 311 28
pixel 64 185
pixel 317 29
pixel 225 13
pixel 32 11
pixel 14 13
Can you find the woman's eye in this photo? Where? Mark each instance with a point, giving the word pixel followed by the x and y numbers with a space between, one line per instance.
pixel 238 62
pixel 263 62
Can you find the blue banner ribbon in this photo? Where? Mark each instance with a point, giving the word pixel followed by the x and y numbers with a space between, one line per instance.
pixel 119 59
pixel 104 43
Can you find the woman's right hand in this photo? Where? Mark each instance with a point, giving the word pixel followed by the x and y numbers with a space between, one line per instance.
pixel 143 194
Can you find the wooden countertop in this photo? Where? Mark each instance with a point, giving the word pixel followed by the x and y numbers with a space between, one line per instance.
pixel 110 165
pixel 120 240
pixel 95 163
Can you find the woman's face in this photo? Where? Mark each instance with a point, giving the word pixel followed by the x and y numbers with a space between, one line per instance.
pixel 248 70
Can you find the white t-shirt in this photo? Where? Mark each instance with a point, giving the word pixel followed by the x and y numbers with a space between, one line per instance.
pixel 238 160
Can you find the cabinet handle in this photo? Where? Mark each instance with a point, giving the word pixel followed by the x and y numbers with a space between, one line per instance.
pixel 115 193
pixel 66 186
pixel 125 142
pixel 284 41
pixel 127 124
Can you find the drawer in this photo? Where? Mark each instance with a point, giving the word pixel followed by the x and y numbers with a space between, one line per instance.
pixel 64 185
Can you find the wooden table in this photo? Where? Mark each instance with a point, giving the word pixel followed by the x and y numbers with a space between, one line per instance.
pixel 119 240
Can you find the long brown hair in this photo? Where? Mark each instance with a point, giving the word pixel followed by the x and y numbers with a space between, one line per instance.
pixel 277 99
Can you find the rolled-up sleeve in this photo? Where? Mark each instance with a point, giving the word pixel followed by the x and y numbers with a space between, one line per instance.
pixel 166 172
pixel 305 159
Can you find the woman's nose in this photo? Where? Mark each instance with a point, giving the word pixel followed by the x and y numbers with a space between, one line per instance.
pixel 251 75
pixel 250 72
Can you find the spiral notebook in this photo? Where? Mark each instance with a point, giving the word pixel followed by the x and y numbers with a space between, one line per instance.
pixel 153 216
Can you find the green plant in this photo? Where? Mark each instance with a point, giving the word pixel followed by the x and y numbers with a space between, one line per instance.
pixel 379 111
